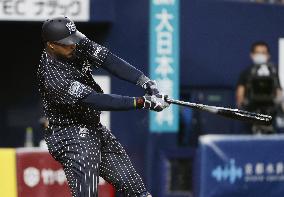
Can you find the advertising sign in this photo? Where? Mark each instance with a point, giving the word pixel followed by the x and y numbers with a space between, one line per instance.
pixel 39 10
pixel 38 174
pixel 164 60
pixel 241 166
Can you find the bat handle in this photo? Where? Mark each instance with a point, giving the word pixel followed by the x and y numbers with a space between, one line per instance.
pixel 167 99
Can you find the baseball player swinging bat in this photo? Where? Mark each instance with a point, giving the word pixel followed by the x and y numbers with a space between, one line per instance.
pixel 73 101
pixel 226 112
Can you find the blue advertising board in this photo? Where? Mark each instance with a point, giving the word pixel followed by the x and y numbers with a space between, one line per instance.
pixel 241 166
pixel 164 60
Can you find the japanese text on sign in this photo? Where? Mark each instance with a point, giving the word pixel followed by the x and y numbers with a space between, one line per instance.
pixel 39 10
pixel 164 60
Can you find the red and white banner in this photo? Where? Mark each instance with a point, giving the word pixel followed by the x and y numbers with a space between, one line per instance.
pixel 38 174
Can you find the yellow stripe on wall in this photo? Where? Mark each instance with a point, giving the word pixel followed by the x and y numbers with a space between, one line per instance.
pixel 8 176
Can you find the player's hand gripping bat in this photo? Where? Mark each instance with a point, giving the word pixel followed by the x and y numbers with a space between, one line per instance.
pixel 226 112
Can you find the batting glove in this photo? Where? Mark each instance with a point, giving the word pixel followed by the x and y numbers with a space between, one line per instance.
pixel 155 102
pixel 151 88
pixel 148 85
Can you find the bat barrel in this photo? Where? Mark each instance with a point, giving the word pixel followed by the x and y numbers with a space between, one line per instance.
pixel 227 112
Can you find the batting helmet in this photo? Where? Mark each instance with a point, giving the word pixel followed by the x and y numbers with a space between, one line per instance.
pixel 61 30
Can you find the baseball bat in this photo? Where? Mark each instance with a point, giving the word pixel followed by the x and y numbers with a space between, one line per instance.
pixel 226 112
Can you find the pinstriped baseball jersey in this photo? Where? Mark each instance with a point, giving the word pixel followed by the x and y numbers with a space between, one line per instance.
pixel 64 82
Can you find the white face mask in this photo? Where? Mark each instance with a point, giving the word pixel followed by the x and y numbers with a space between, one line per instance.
pixel 259 58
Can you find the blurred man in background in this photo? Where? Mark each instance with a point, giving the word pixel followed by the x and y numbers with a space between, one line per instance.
pixel 258 88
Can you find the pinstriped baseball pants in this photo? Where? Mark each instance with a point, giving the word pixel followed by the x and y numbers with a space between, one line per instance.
pixel 86 153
